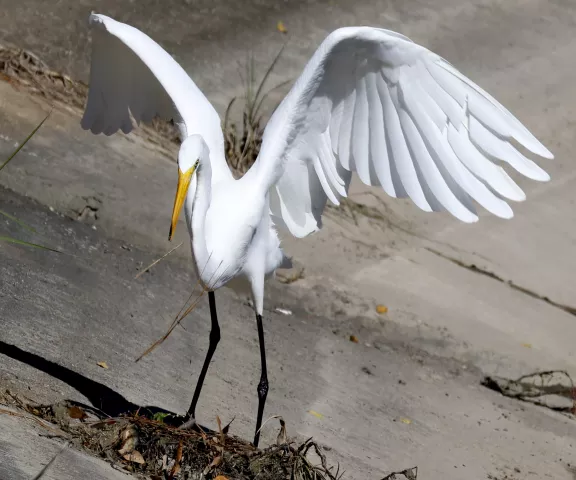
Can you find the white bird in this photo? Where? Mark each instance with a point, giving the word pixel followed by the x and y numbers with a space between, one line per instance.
pixel 369 101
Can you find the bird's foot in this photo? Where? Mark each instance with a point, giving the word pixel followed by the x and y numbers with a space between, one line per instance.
pixel 188 424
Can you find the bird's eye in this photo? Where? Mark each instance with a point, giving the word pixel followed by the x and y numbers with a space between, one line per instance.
pixel 197 163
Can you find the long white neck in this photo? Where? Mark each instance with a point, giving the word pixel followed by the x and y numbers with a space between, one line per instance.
pixel 196 208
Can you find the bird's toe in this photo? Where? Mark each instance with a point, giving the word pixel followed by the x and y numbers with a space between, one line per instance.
pixel 188 424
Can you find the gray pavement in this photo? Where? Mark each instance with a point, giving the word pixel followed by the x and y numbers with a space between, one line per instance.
pixel 25 449
pixel 386 403
pixel 447 325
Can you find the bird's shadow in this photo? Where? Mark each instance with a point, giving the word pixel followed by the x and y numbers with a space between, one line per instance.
pixel 102 398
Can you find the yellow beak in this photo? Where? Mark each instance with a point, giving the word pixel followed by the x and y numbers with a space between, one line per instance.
pixel 184 179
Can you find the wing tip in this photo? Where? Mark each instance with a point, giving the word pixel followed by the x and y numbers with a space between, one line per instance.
pixel 85 124
pixel 545 153
pixel 472 218
pixel 538 175
pixel 94 18
pixel 535 146
pixel 516 196
pixel 505 212
pixel 98 20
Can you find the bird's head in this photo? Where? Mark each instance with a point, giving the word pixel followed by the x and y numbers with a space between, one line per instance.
pixel 192 152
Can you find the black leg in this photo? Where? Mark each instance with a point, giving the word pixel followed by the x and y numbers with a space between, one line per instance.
pixel 214 339
pixel 263 385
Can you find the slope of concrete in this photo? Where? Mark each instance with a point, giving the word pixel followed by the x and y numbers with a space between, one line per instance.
pixel 495 297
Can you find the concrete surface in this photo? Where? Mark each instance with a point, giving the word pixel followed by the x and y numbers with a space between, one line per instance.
pixel 447 325
pixel 62 315
pixel 25 449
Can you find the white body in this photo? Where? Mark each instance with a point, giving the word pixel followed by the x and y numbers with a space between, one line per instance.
pixel 369 101
pixel 240 252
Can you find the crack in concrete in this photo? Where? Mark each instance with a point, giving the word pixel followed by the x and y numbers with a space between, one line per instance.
pixel 474 268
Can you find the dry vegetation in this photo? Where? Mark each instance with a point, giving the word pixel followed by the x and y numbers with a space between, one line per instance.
pixel 152 448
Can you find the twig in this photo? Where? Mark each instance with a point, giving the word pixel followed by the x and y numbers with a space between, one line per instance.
pixel 31 417
pixel 523 389
pixel 156 261
pixel 409 474
pixel 181 316
pixel 21 146
pixel 47 466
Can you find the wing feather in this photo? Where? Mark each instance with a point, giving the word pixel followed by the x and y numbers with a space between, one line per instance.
pixel 497 148
pixel 479 165
pixel 345 130
pixel 334 126
pixel 131 76
pixel 466 185
pixel 378 148
pixel 329 165
pixel 360 134
pixel 401 160
pixel 373 102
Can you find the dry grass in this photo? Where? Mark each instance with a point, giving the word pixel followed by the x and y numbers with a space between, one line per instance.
pixel 24 69
pixel 12 218
pixel 243 142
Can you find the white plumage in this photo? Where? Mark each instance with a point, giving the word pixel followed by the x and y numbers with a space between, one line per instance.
pixel 369 101
pixel 401 117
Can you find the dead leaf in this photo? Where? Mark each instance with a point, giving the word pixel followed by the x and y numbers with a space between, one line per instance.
pixel 217 461
pixel 103 423
pixel 354 338
pixel 283 311
pixel 221 477
pixel 176 468
pixel 135 457
pixel 527 345
pixel 406 421
pixel 103 365
pixel 222 436
pixel 381 309
pixel 129 437
pixel 316 414
pixel 281 28
pixel 226 429
pixel 76 412
pixel 282 439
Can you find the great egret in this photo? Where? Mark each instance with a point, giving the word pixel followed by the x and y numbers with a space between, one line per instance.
pixel 369 101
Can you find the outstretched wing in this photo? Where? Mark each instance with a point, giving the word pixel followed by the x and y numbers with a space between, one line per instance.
pixel 131 74
pixel 373 102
